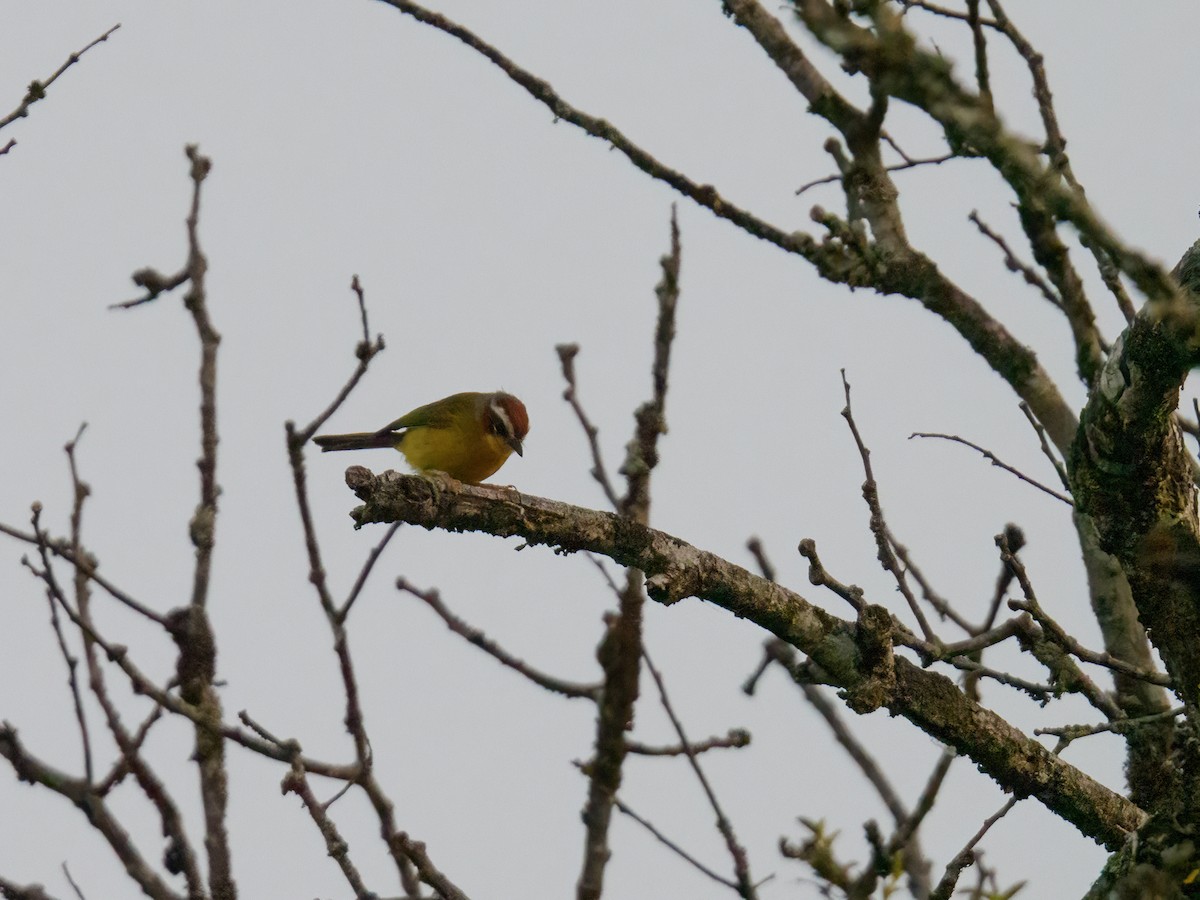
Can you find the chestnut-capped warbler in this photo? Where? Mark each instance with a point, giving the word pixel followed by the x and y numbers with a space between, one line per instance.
pixel 468 436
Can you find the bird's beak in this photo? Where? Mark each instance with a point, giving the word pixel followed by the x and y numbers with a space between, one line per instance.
pixel 515 443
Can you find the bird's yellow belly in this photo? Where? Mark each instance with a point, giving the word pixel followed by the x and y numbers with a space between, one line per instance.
pixel 444 450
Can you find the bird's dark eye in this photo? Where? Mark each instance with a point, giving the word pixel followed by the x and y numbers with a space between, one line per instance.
pixel 498 422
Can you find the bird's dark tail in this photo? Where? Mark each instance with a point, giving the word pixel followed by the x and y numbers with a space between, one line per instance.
pixel 366 440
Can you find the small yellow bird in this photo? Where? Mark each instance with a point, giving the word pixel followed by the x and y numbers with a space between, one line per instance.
pixel 468 436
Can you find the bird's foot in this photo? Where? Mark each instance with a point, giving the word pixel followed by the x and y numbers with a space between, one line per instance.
pixel 445 481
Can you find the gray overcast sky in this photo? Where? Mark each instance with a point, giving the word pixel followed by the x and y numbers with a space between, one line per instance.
pixel 348 139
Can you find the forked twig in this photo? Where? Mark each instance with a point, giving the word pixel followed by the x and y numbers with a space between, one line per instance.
pixel 879 529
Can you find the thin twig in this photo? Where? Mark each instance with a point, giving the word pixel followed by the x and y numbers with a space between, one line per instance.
pixel 621 648
pixel 296 782
pixel 150 784
pixel 365 351
pixel 566 357
pixel 1068 733
pixel 907 829
pixel 1042 693
pixel 878 525
pixel 1056 633
pixel 365 572
pixel 32 770
pixel 705 195
pixel 430 874
pixel 967 856
pixel 1015 539
pixel 475 636
pixel 37 89
pixel 856 750
pixel 983 639
pixel 598 562
pixel 1059 468
pixel 673 847
pixel 71 881
pixel 1060 664
pixel 982 78
pixel 62 549
pixel 76 696
pixel 940 604
pixel 755 546
pixel 641 454
pixel 943 11
pixel 79 491
pixel 995 461
pixel 899 167
pixel 1056 148
pixel 1013 264
pixel 819 575
pixel 735 739
pixel 741 864
pixel 122 767
pixel 915 863
pixel 412 863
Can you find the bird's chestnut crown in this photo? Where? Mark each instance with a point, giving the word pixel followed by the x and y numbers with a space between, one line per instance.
pixel 508 418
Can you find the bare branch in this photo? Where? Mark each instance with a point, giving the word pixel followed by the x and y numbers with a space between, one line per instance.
pixel 642 452
pixel 704 195
pixel 995 461
pixel 741 865
pixel 365 572
pixel 430 874
pixel 1059 635
pixel 566 356
pixel 621 649
pixel 870 492
pixel 62 549
pixel 674 847
pixel 296 782
pixel 755 546
pixel 899 167
pixel 1069 733
pixel 967 856
pixel 10 890
pixel 37 89
pixel 71 881
pixel 735 739
pixel 1046 450
pixel 365 351
pixel 1013 264
pixel 676 570
pixel 982 79
pixel 474 636
pixel 76 696
pixel 940 604
pixel 1051 652
pixel 30 769
pixel 131 761
pixel 819 575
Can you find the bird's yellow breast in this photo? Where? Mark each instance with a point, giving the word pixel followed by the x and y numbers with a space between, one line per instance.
pixel 470 459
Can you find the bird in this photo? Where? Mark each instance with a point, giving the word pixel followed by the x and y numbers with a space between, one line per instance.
pixel 468 436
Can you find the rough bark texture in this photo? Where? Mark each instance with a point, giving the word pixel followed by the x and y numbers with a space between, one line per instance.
pixel 847 652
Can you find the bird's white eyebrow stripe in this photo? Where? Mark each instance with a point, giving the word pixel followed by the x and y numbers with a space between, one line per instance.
pixel 502 414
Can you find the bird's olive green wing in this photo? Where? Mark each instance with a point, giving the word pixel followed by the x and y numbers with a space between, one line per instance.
pixel 439 414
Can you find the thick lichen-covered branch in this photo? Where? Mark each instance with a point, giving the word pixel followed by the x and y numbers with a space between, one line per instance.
pixel 847 652
pixel 1132 474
